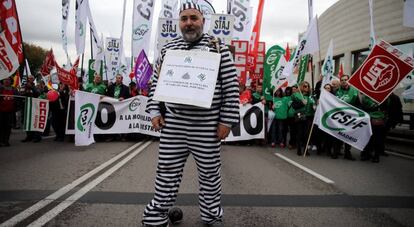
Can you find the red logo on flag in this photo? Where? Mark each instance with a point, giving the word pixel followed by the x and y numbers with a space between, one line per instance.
pixel 381 72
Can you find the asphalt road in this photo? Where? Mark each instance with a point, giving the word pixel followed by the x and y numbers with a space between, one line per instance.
pixel 109 183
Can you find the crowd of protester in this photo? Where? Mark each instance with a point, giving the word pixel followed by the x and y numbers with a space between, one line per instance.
pixel 12 101
pixel 290 112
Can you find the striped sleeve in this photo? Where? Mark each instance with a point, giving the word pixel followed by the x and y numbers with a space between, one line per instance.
pixel 229 111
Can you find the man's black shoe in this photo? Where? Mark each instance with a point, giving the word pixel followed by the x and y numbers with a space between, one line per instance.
pixel 26 140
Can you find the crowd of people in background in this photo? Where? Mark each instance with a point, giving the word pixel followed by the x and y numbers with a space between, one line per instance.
pixel 290 112
pixel 12 101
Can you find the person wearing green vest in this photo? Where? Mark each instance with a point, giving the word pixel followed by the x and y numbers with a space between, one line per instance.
pixel 304 110
pixel 349 95
pixel 280 107
pixel 96 87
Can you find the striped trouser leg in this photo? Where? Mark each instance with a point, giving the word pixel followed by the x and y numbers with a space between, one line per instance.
pixel 205 148
pixel 173 153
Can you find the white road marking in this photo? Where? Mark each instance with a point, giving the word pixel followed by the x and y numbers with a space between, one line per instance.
pixel 52 197
pixel 81 192
pixel 400 155
pixel 311 172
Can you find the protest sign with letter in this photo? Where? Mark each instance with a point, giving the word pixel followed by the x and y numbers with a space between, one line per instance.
pixel 381 72
pixel 343 121
pixel 188 77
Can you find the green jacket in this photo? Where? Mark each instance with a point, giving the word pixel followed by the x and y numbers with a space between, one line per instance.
pixel 96 89
pixel 308 108
pixel 349 96
pixel 291 111
pixel 280 107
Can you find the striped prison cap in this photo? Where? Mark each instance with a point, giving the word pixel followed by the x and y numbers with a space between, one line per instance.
pixel 190 5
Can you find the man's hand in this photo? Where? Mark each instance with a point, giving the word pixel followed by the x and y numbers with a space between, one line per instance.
pixel 222 131
pixel 158 122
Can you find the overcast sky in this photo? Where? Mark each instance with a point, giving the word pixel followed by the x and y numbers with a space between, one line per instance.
pixel 40 21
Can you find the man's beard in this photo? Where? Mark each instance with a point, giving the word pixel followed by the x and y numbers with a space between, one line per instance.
pixel 192 35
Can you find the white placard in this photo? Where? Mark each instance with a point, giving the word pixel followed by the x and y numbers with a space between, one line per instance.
pixel 188 77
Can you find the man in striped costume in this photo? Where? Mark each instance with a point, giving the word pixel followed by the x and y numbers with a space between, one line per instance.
pixel 193 130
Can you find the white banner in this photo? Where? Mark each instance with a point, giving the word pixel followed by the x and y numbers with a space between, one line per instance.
pixel 86 108
pixel 221 26
pixel 35 114
pixel 168 29
pixel 112 50
pixel 9 61
pixel 251 124
pixel 343 121
pixel 242 12
pixel 80 28
pixel 143 12
pixel 127 116
pixel 188 77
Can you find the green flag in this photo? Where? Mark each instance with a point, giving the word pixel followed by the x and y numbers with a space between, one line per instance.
pixel 91 71
pixel 303 65
pixel 272 58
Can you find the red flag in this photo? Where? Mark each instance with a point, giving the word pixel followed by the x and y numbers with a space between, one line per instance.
pixel 69 77
pixel 10 23
pixel 341 71
pixel 16 79
pixel 381 71
pixel 287 53
pixel 254 40
pixel 48 63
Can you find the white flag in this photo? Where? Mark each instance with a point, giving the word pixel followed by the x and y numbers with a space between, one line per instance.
pixel 221 26
pixel 372 40
pixel 65 16
pixel 312 38
pixel 243 13
pixel 9 62
pixel 308 44
pixel 343 121
pixel 328 66
pixel 408 20
pixel 141 26
pixel 80 28
pixel 86 108
pixel 99 57
pixel 169 9
pixel 35 114
pixel 97 44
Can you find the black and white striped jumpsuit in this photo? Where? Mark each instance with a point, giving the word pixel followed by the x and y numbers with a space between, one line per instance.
pixel 191 129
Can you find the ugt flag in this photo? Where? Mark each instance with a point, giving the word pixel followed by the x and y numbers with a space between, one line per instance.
pixel 35 114
pixel 86 108
pixel 343 121
pixel 382 71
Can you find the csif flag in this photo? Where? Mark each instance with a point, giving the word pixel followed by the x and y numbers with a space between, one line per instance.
pixel 273 56
pixel 86 108
pixel 343 121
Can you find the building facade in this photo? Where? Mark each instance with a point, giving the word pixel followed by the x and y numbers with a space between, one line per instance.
pixel 347 22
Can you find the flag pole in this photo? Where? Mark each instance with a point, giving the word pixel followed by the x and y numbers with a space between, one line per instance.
pixel 310 134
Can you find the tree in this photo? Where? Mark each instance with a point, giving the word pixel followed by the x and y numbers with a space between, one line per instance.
pixel 35 55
